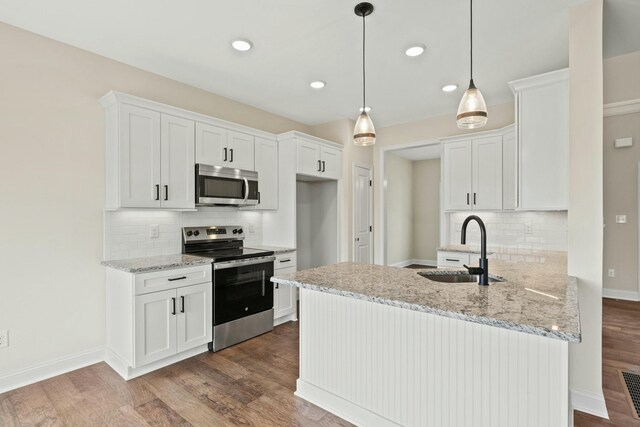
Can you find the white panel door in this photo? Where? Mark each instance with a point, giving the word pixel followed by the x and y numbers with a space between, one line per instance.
pixel 155 327
pixel 363 250
pixel 139 157
pixel 284 296
pixel 509 171
pixel 241 150
pixel 331 159
pixel 487 173
pixel 178 163
pixel 211 145
pixel 308 158
pixel 543 127
pixel 194 307
pixel 267 167
pixel 457 175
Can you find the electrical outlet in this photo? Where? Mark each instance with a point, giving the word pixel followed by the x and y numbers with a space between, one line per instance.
pixel 621 219
pixel 611 272
pixel 252 228
pixel 527 229
pixel 154 231
pixel 4 338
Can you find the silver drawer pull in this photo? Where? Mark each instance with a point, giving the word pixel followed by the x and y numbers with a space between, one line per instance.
pixel 286 260
pixel 177 278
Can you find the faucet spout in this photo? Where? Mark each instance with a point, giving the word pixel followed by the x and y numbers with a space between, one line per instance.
pixel 483 270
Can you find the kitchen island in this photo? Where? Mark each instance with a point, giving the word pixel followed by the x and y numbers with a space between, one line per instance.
pixel 384 346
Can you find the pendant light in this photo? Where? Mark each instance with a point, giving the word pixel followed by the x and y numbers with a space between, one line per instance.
pixel 472 111
pixel 364 133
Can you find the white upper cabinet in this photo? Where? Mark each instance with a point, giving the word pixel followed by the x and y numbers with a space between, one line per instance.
pixel 266 159
pixel 217 146
pixel 487 173
pixel 316 157
pixel 137 151
pixel 211 142
pixel 177 170
pixel 509 170
pixel 542 134
pixel 472 170
pixel 456 169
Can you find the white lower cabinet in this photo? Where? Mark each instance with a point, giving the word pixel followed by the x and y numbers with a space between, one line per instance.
pixel 147 329
pixel 452 259
pixel 285 297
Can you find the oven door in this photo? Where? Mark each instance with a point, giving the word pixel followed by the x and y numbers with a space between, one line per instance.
pixel 241 288
pixel 225 186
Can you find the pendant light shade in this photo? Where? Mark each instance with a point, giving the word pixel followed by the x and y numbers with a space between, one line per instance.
pixel 472 111
pixel 364 133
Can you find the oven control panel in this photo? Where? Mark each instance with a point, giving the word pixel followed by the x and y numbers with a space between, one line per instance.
pixel 221 232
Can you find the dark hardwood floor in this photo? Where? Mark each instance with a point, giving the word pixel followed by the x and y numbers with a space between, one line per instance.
pixel 620 350
pixel 250 384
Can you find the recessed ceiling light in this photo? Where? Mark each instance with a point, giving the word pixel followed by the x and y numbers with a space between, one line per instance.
pixel 242 45
pixel 449 88
pixel 319 84
pixel 415 50
pixel 366 109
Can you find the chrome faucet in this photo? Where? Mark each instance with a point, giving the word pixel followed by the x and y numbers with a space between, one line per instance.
pixel 483 270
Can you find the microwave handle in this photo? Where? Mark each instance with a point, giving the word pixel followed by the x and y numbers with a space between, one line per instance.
pixel 246 189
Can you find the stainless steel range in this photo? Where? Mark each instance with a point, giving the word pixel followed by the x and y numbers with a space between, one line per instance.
pixel 242 292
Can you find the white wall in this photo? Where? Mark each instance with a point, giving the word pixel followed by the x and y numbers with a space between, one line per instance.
pixel 399 208
pixel 52 172
pixel 585 197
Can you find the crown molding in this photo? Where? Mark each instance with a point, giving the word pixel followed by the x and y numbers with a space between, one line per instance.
pixel 620 108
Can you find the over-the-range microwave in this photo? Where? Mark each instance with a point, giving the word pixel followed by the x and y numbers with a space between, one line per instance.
pixel 216 185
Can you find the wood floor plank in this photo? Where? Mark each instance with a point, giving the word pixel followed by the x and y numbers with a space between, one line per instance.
pixel 33 407
pixel 8 415
pixel 158 414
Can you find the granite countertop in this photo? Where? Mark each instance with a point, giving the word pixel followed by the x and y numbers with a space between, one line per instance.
pixel 156 263
pixel 277 250
pixel 537 296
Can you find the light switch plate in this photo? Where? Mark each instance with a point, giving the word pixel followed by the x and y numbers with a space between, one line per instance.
pixel 623 142
pixel 611 272
pixel 621 219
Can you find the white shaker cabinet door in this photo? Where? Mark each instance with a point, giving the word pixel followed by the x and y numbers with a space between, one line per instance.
pixel 177 170
pixel 308 158
pixel 194 307
pixel 241 150
pixel 155 326
pixel 487 173
pixel 457 176
pixel 285 296
pixel 331 159
pixel 211 145
pixel 509 171
pixel 139 157
pixel 266 156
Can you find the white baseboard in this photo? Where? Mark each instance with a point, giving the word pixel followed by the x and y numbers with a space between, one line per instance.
pixel 338 406
pixel 590 403
pixel 401 263
pixel 293 317
pixel 428 262
pixel 43 371
pixel 618 294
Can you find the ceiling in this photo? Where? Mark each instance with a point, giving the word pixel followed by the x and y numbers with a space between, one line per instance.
pixel 296 42
pixel 423 152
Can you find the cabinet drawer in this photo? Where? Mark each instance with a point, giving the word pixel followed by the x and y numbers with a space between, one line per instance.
pixel 285 261
pixel 171 279
pixel 452 259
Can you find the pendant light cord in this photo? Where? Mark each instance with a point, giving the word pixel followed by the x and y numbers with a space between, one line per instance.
pixel 364 75
pixel 471 36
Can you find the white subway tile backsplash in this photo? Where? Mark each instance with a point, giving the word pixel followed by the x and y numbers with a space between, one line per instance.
pixel 126 233
pixel 507 230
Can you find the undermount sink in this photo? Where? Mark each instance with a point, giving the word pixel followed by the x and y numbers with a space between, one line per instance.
pixel 455 278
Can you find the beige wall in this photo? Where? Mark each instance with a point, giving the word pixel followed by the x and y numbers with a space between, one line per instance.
pixel 621 198
pixel 622 78
pixel 424 130
pixel 52 185
pixel 585 195
pixel 399 183
pixel 426 209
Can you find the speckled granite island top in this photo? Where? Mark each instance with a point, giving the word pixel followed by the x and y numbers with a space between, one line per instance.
pixel 277 250
pixel 537 297
pixel 156 263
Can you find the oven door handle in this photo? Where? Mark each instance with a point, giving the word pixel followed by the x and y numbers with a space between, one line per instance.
pixel 246 189
pixel 242 263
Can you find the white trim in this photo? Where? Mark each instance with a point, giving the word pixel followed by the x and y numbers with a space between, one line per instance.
pixel 619 294
pixel 538 80
pixel 293 317
pixel 342 408
pixel 43 371
pixel 127 372
pixel 427 262
pixel 477 135
pixel 590 403
pixel 620 108
pixel 355 165
pixel 293 134
pixel 402 264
